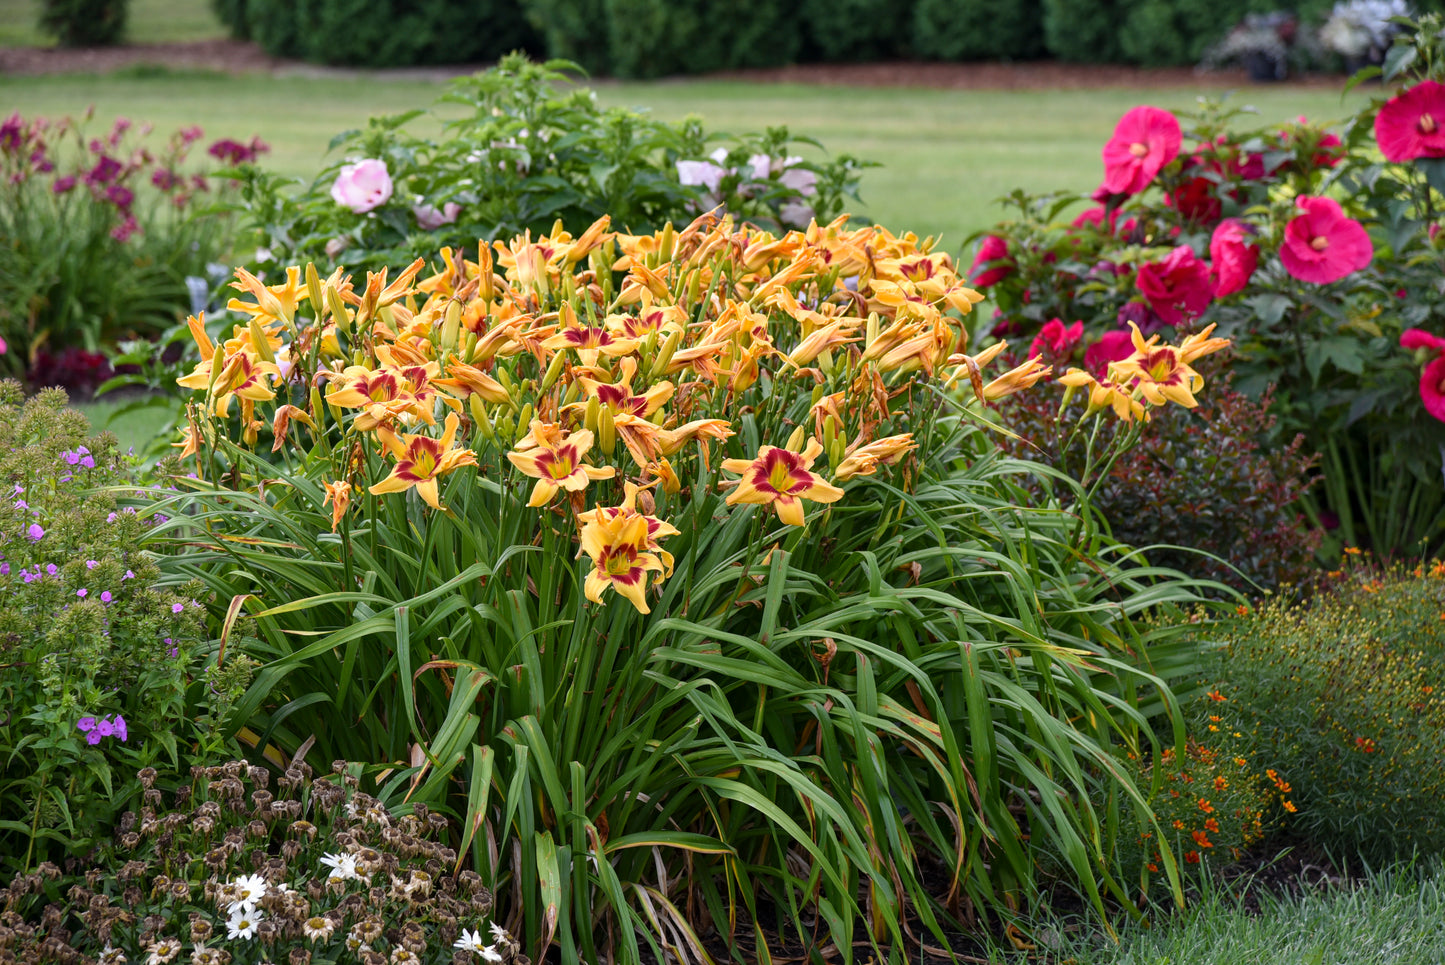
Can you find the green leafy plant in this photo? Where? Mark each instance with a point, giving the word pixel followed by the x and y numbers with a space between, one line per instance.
pixel 527 155
pixel 1342 698
pixel 102 673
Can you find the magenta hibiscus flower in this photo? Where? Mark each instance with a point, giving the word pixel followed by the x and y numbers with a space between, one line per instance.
pixel 1233 256
pixel 1412 123
pixel 992 264
pixel 1114 346
pixel 1432 379
pixel 1145 139
pixel 1178 286
pixel 1322 245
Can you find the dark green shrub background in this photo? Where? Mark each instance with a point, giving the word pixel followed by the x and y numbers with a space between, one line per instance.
pixel 978 29
pixel 84 23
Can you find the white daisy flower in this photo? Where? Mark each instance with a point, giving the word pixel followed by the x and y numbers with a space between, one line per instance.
pixel 242 924
pixel 162 951
pixel 490 954
pixel 248 891
pixel 471 941
pixel 500 933
pixel 343 866
pixel 317 928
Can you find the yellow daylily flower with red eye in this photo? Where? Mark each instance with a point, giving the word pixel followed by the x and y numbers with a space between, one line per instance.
pixel 782 479
pixel 1103 395
pixel 421 461
pixel 385 394
pixel 657 529
pixel 1159 372
pixel 464 381
pixel 589 341
pixel 242 375
pixel 273 303
pixel 618 547
pixel 618 396
pixel 555 461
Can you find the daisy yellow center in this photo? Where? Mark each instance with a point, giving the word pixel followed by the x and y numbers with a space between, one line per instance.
pixel 1320 243
pixel 1138 149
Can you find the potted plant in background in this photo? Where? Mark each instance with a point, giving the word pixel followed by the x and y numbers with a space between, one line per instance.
pixel 1262 43
pixel 1360 31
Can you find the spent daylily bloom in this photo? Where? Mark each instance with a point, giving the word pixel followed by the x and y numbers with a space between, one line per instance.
pixel 782 479
pixel 338 496
pixel 421 461
pixel 865 460
pixel 555 461
pixel 621 557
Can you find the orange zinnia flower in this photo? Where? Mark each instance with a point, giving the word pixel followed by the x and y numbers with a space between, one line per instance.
pixel 555 461
pixel 421 461
pixel 781 478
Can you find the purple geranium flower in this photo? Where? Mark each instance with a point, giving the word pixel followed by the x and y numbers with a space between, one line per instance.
pixel 104 727
pixel 82 592
pixel 105 597
pixel 177 607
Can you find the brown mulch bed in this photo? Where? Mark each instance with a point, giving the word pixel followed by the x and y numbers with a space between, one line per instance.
pixel 236 57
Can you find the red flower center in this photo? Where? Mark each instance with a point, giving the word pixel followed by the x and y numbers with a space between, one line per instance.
pixel 1139 149
pixel 1427 124
pixel 1319 243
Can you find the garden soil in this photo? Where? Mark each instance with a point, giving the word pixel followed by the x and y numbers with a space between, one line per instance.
pixel 235 57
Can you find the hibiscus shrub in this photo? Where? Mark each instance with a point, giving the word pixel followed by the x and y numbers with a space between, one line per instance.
pixel 98 236
pixel 1300 245
pixel 1345 699
pixel 531 154
pixel 104 671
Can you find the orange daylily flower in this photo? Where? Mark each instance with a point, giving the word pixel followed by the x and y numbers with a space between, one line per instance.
pixel 1104 395
pixel 555 461
pixel 1159 372
pixel 865 460
pixel 421 461
pixel 273 303
pixel 781 478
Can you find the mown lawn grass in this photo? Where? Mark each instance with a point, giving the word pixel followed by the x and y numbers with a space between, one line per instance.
pixel 1392 917
pixel 148 22
pixel 947 156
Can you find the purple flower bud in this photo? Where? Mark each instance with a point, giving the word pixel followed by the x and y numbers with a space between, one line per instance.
pixel 110 518
pixel 128 575
pixel 120 728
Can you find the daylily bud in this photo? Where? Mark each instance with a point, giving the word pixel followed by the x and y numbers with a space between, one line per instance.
pixel 486 287
pixel 260 342
pixel 591 414
pixel 795 441
pixel 525 417
pixel 606 430
pixel 554 371
pixel 339 315
pixel 479 418
pixel 664 356
pixel 451 328
pixel 313 290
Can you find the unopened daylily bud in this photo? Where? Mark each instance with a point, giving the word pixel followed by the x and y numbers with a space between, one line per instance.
pixel 479 418
pixel 663 359
pixel 795 441
pixel 486 287
pixel 339 315
pixel 525 417
pixel 837 452
pixel 554 371
pixel 313 291
pixel 665 244
pixel 606 430
pixel 260 342
pixel 591 414
pixel 451 328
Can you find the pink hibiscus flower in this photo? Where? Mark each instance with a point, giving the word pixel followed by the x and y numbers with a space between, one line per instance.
pixel 1432 379
pixel 1114 346
pixel 1145 139
pixel 1055 340
pixel 1322 245
pixel 993 251
pixel 1412 123
pixel 1177 287
pixel 1233 256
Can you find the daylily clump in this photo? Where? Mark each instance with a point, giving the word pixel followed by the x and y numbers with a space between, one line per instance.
pixel 608 377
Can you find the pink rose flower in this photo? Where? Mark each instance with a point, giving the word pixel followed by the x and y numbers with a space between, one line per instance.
pixel 1145 139
pixel 1177 287
pixel 1321 245
pixel 362 186
pixel 429 218
pixel 1234 257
